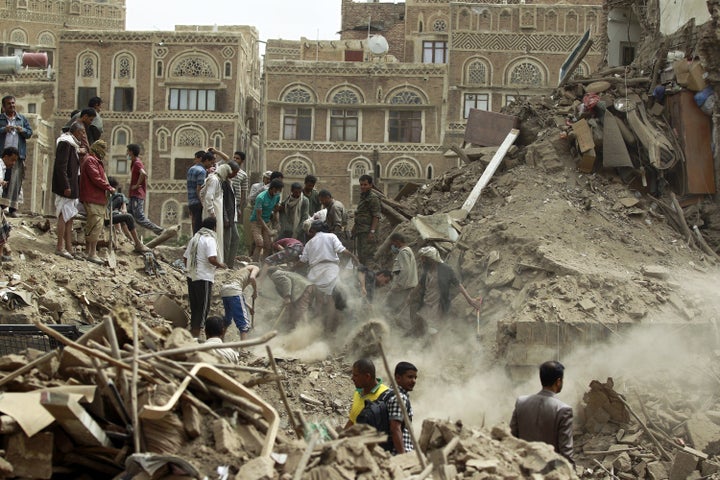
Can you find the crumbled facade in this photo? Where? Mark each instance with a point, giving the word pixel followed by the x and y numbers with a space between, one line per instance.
pixel 455 56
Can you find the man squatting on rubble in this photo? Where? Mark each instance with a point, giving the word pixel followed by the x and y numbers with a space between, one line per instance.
pixel 543 417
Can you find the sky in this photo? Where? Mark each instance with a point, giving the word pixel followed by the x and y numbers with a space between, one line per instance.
pixel 274 19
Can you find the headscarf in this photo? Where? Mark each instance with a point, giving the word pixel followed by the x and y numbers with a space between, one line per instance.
pixel 267 174
pixel 99 149
pixel 431 253
pixel 69 138
pixel 223 171
pixel 193 248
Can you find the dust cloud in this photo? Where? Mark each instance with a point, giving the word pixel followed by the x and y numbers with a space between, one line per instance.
pixel 460 378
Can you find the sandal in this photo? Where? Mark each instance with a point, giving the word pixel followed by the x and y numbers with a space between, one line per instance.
pixel 96 260
pixel 64 254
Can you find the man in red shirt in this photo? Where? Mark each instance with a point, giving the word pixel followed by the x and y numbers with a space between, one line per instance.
pixel 138 184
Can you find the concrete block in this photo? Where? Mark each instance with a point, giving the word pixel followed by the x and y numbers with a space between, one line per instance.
pixel 31 457
pixel 683 465
pixel 656 471
pixel 259 468
pixel 226 438
pixel 623 463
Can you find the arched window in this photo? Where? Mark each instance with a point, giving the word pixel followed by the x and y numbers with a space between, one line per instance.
pixel 189 137
pixel 18 36
pixel 159 70
pixel 124 67
pixel 571 22
pixel 506 19
pixel 477 73
pixel 170 213
pixel 46 39
pixel 228 70
pixel 429 172
pixel 162 139
pixel 526 73
pixel 87 66
pixel 298 95
pixel 194 67
pixel 403 169
pixel 406 97
pixel 217 138
pixel 551 21
pixel 357 168
pixel 121 137
pixel 345 96
pixel 297 167
pixel 297 122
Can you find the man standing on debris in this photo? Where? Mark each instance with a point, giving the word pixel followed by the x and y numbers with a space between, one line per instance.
pixel 293 211
pixel 94 189
pixel 544 418
pixel 138 187
pixel 406 377
pixel 433 289
pixel 14 132
pixel 196 176
pixel 262 214
pixel 336 217
pixel 233 298
pixel 367 387
pixel 404 271
pixel 367 217
pixel 66 186
pixel 9 157
pixel 231 237
pixel 201 260
pixel 311 194
pixel 95 131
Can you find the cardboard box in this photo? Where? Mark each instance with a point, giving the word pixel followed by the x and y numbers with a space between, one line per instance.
pixel 682 72
pixel 696 77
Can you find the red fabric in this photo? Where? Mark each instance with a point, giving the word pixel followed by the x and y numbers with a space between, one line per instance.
pixel 590 100
pixel 139 192
pixel 93 183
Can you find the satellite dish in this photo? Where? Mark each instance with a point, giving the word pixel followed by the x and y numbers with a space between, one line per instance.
pixel 377 45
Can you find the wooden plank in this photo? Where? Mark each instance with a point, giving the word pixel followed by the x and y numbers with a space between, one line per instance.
pixel 584 135
pixel 490 170
pixel 615 152
pixel 74 419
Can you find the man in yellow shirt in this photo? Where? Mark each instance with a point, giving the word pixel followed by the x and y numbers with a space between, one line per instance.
pixel 367 387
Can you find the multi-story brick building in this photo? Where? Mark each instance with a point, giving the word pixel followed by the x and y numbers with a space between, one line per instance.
pixel 34 26
pixel 334 109
pixel 172 93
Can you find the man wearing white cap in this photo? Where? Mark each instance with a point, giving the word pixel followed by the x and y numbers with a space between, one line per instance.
pixel 434 288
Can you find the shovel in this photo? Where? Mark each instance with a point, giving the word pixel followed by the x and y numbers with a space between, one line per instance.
pixel 112 260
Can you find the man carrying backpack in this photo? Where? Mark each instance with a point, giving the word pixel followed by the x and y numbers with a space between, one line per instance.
pixel 367 388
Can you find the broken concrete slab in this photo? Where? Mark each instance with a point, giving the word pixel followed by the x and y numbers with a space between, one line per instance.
pixel 656 271
pixel 259 468
pixel 488 129
pixel 226 438
pixel 683 465
pixel 31 457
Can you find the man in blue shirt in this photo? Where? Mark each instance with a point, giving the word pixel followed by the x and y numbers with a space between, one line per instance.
pixel 195 178
pixel 14 131
pixel 263 211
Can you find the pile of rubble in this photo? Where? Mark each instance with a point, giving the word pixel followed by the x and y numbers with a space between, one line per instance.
pixel 163 406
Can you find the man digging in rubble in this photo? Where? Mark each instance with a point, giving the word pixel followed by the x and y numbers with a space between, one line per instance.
pixel 233 298
pixel 544 418
pixel 406 377
pixel 433 289
pixel 404 273
pixel 367 387
pixel 296 291
pixel 321 254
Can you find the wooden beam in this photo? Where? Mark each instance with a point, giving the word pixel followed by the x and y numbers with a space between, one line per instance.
pixel 74 419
